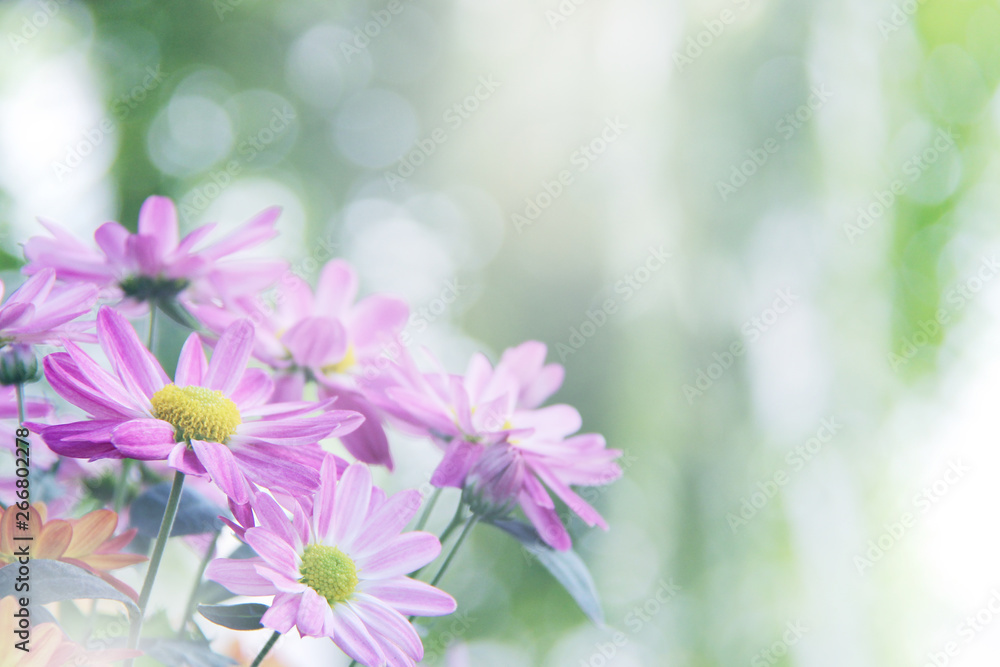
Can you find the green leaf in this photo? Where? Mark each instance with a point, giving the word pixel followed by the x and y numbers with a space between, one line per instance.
pixel 566 566
pixel 53 581
pixel 195 516
pixel 235 617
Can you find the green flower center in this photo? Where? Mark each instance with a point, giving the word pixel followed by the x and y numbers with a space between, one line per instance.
pixel 151 288
pixel 329 572
pixel 197 413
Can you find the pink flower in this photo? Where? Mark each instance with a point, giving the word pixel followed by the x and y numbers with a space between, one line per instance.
pixel 327 337
pixel 213 420
pixel 532 450
pixel 39 312
pixel 155 265
pixel 338 569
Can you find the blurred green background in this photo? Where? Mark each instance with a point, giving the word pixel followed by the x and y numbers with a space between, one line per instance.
pixel 758 233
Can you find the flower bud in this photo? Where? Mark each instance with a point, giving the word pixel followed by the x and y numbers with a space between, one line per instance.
pixel 18 364
pixel 492 486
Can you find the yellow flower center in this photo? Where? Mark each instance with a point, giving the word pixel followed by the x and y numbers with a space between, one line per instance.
pixel 344 365
pixel 196 413
pixel 329 571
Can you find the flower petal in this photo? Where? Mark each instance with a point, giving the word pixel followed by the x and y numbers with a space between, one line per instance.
pixel 354 491
pixel 276 552
pixel 239 576
pixel 312 612
pixel 192 364
pixel 229 360
pixel 144 439
pixel 138 370
pixel 281 616
pixel 223 469
pixel 90 532
pixel 158 219
pixel 401 555
pixel 386 522
pixel 409 596
pixel 351 635
pixel 389 623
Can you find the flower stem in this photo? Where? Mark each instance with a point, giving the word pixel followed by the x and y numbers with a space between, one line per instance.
pixel 122 485
pixel 152 327
pixel 19 392
pixel 469 524
pixel 458 543
pixel 166 525
pixel 456 521
pixel 193 598
pixel 264 651
pixel 427 510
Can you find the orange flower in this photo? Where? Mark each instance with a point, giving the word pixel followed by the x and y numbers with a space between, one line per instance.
pixel 48 646
pixel 85 542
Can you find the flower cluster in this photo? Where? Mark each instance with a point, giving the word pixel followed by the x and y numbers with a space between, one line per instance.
pixel 273 371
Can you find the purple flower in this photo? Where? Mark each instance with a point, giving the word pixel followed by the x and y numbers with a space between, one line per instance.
pixel 338 568
pixel 213 420
pixel 155 264
pixel 327 337
pixel 532 450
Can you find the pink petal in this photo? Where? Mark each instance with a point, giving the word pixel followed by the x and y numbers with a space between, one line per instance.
pixel 551 422
pixel 301 431
pixel 61 439
pixel 409 596
pixel 458 460
pixel 324 511
pixel 158 219
pixel 182 458
pixel 377 319
pixel 401 555
pixel 239 576
pixel 34 289
pixel 386 522
pixel 13 314
pixel 274 519
pixel 312 614
pixel 139 371
pixel 278 553
pixel 256 230
pixel 388 623
pixel 283 612
pixel 191 364
pixel 265 466
pixel 229 360
pixel 336 288
pixel 575 503
pixel 354 490
pixel 351 635
pixel 316 342
pixel 547 523
pixel 67 379
pixel 223 469
pixel 112 239
pixel 144 439
pixel 254 389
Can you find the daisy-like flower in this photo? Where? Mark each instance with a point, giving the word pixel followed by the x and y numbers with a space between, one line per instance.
pixel 499 444
pixel 40 312
pixel 47 646
pixel 155 264
pixel 86 542
pixel 213 420
pixel 338 569
pixel 327 337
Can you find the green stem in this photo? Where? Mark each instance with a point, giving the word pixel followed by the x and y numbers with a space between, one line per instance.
pixel 264 651
pixel 152 327
pixel 122 485
pixel 451 554
pixel 19 392
pixel 456 521
pixel 193 598
pixel 454 550
pixel 427 510
pixel 166 525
